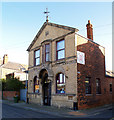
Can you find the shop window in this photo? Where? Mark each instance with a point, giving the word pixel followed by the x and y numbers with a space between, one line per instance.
pixel 60 83
pixel 36 85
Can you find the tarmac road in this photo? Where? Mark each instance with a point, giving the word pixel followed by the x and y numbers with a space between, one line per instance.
pixel 14 112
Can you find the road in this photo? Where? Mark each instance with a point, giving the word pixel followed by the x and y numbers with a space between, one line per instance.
pixel 102 114
pixel 14 112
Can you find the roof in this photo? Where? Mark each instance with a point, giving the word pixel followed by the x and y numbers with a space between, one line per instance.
pixel 14 66
pixel 51 24
pixel 109 73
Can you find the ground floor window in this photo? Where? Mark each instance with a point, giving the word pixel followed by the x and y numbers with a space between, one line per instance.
pixel 98 86
pixel 87 85
pixel 110 87
pixel 60 83
pixel 36 85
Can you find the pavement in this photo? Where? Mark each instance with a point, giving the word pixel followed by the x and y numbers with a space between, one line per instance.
pixel 64 112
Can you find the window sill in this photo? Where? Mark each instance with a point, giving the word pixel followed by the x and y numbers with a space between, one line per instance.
pixel 98 94
pixel 46 62
pixel 63 94
pixel 57 94
pixel 35 93
pixel 60 61
pixel 37 65
pixel 88 94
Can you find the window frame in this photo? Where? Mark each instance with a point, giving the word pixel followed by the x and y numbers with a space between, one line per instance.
pixel 98 88
pixel 35 58
pixel 60 49
pixel 47 52
pixel 63 82
pixel 88 87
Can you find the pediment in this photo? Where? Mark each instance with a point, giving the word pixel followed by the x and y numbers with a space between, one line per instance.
pixel 50 31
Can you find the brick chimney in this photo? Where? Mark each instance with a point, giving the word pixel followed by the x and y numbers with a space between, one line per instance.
pixel 5 59
pixel 89 30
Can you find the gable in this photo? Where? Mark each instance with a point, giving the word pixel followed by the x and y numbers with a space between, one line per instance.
pixel 50 31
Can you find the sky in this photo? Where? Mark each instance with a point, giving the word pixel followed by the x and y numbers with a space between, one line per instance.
pixel 22 20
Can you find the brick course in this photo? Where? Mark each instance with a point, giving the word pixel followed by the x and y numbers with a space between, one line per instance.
pixel 10 94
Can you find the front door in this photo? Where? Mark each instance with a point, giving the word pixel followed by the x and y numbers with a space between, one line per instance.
pixel 47 93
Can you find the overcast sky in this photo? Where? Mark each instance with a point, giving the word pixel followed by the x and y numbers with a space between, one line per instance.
pixel 22 20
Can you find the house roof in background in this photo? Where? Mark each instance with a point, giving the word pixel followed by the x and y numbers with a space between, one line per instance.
pixel 14 66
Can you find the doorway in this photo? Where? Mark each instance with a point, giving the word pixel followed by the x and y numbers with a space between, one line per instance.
pixel 46 87
pixel 47 94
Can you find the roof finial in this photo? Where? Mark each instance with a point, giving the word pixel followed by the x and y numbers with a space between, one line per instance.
pixel 46 12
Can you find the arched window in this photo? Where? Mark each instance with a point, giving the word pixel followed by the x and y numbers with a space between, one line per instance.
pixel 36 85
pixel 60 83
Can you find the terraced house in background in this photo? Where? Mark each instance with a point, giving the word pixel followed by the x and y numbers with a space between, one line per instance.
pixel 67 69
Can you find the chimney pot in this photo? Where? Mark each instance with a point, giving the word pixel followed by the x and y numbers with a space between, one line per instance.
pixel 89 30
pixel 5 59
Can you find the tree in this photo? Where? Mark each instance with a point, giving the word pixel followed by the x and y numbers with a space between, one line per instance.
pixel 12 84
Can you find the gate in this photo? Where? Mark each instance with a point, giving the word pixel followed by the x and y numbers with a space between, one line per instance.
pixel 23 94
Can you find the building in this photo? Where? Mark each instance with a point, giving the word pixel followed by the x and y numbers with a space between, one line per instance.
pixel 66 69
pixel 17 70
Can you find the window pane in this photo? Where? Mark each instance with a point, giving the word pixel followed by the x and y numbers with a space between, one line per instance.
pixel 37 61
pixel 60 45
pixel 98 87
pixel 37 53
pixel 36 88
pixel 47 57
pixel 60 83
pixel 47 48
pixel 61 54
pixel 60 88
pixel 64 78
pixel 61 78
pixel 43 52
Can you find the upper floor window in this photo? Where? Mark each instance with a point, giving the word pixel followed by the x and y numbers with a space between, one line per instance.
pixel 37 57
pixel 87 85
pixel 36 85
pixel 98 86
pixel 60 83
pixel 47 51
pixel 60 50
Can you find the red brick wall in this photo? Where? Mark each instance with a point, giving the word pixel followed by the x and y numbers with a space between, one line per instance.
pixel 109 80
pixel 9 94
pixel 94 68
